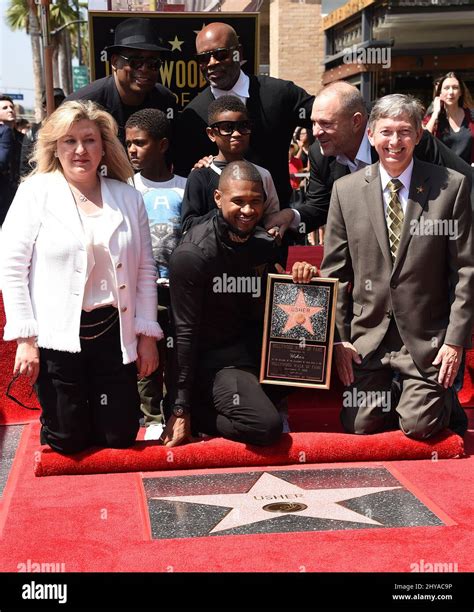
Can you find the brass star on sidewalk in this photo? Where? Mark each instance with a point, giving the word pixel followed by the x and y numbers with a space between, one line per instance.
pixel 271 496
pixel 176 44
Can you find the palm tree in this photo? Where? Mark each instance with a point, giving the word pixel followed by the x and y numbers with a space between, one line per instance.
pixel 84 33
pixel 62 13
pixel 23 15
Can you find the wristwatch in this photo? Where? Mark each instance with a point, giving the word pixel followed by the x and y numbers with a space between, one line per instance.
pixel 179 411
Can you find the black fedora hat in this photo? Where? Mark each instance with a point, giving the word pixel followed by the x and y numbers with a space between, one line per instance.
pixel 136 33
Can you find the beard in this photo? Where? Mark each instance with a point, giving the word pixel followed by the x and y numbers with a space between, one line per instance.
pixel 235 230
pixel 227 80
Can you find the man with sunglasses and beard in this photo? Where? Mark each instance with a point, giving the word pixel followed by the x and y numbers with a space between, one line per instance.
pixel 275 108
pixel 217 285
pixel 135 60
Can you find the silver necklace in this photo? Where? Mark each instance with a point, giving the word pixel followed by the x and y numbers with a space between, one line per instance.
pixel 77 194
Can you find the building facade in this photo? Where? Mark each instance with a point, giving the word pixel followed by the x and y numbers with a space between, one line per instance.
pixel 387 46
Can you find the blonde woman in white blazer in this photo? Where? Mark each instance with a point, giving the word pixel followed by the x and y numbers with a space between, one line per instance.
pixel 79 283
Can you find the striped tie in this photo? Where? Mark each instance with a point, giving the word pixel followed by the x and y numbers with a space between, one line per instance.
pixel 394 216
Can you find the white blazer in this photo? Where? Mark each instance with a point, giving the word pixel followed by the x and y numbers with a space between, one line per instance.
pixel 43 264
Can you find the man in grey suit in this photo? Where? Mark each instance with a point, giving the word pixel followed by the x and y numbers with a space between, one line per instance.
pixel 399 239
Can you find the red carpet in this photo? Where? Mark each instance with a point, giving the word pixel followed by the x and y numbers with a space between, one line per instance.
pixel 311 254
pixel 292 449
pixel 99 523
pixel 10 412
pixel 466 395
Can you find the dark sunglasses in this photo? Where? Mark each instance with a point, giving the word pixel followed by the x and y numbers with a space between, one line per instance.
pixel 227 128
pixel 13 398
pixel 152 63
pixel 221 54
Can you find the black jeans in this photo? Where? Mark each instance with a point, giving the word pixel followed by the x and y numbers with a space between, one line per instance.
pixel 231 402
pixel 88 398
pixel 151 388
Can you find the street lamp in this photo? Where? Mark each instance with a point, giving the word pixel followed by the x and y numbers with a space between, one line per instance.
pixel 79 42
pixel 47 56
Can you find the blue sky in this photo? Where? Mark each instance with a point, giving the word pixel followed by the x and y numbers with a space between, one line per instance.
pixel 16 72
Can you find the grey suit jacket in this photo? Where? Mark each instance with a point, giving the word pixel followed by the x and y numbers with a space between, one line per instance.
pixel 429 289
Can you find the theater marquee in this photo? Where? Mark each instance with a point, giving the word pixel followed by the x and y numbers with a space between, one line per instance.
pixel 180 71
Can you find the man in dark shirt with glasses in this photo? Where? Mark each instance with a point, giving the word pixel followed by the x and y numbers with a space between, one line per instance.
pixel 135 59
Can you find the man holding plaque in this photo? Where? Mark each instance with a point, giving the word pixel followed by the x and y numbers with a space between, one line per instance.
pixel 217 286
pixel 399 239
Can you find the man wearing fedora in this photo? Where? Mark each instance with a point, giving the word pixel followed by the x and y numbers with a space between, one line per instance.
pixel 135 59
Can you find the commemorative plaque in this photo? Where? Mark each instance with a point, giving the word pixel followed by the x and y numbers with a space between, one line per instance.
pixel 298 332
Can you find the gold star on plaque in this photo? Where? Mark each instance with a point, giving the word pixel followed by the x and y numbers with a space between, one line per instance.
pixel 176 44
pixel 299 313
pixel 420 189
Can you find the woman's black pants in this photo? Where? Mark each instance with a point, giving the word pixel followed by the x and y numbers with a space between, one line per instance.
pixel 88 398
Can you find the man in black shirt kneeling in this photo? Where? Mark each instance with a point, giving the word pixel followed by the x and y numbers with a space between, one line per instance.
pixel 217 284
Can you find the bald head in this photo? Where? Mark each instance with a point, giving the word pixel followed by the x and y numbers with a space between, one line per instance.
pixel 213 30
pixel 222 69
pixel 339 119
pixel 347 96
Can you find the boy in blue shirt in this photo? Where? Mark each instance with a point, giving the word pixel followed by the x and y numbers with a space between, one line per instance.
pixel 147 140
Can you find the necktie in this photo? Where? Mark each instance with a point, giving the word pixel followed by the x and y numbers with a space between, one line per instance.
pixel 394 216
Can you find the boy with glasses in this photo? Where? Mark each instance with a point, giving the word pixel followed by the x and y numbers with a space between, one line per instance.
pixel 135 57
pixel 230 129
